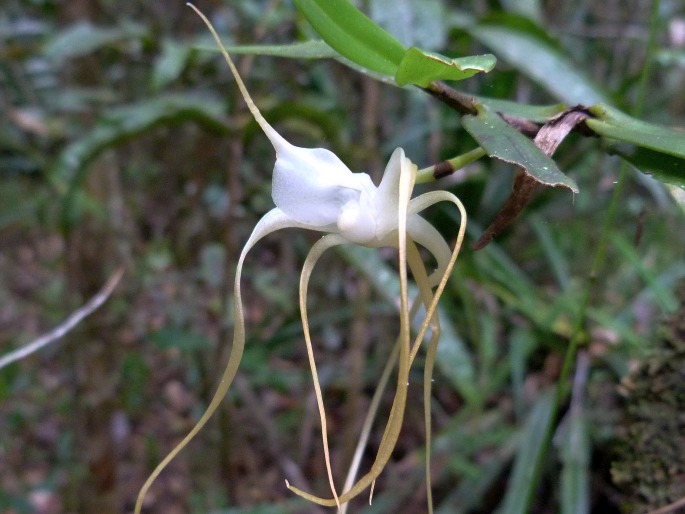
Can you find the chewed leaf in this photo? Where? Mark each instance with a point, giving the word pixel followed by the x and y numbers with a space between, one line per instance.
pixel 501 140
pixel 421 67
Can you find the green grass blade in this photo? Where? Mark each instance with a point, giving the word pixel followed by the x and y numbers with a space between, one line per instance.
pixel 575 473
pixel 522 483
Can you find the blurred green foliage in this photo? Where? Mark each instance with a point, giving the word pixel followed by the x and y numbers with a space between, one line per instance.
pixel 123 141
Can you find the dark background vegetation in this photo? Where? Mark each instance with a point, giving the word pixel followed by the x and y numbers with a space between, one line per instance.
pixel 122 144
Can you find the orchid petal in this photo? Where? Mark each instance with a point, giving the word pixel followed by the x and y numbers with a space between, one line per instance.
pixel 427 236
pixel 315 253
pixel 273 220
pixel 311 185
pixel 386 199
pixel 406 171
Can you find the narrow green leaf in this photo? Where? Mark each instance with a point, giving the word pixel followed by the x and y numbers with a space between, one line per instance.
pixel 313 49
pixel 421 67
pixel 575 472
pixel 531 444
pixel 351 33
pixel 124 123
pixel 552 250
pixel 664 297
pixel 121 125
pixel 501 140
pixel 661 166
pixel 536 113
pixel 84 38
pixel 170 63
pixel 614 124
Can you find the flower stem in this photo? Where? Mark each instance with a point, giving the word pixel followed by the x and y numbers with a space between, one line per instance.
pixel 446 168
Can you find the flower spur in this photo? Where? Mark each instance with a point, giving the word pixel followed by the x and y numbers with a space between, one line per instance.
pixel 313 189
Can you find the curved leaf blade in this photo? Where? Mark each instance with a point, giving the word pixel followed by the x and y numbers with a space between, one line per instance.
pixel 352 34
pixel 84 38
pixel 421 67
pixel 661 166
pixel 123 124
pixel 614 124
pixel 531 444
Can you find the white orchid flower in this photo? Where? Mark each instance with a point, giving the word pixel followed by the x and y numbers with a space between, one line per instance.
pixel 313 189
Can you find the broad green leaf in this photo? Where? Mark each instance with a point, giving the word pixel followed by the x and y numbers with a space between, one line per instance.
pixel 614 124
pixel 501 140
pixel 84 38
pixel 531 443
pixel 535 56
pixel 351 33
pixel 661 166
pixel 421 67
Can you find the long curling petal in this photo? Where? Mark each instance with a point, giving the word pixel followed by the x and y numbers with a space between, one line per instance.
pixel 314 255
pixel 270 222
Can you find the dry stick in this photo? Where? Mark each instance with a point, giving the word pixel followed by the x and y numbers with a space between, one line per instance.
pixel 61 330
pixel 669 508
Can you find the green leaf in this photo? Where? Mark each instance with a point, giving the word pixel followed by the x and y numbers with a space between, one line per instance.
pixel 661 166
pixel 575 473
pixel 351 33
pixel 170 63
pixel 536 113
pixel 121 125
pixel 523 45
pixel 614 124
pixel 84 38
pixel 421 67
pixel 531 444
pixel 501 140
pixel 313 49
